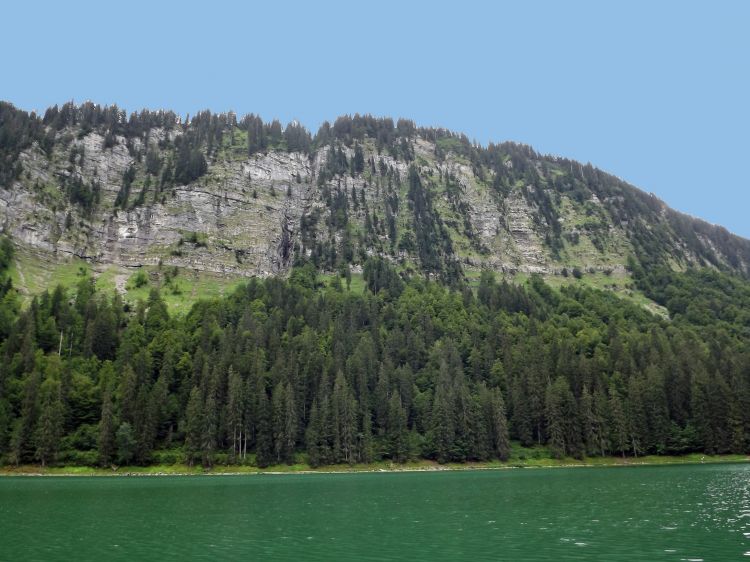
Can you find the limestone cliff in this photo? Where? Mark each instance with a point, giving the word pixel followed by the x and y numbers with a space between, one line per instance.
pixel 423 199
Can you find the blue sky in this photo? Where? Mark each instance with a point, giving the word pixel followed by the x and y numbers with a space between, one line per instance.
pixel 655 92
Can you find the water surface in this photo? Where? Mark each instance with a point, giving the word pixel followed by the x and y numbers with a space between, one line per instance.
pixel 642 513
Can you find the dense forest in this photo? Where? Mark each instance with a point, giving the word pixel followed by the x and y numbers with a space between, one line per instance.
pixel 290 370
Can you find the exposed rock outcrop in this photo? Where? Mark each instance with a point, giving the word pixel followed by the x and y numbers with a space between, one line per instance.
pixel 251 215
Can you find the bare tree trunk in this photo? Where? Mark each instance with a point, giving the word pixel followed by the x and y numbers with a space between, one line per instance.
pixel 234 444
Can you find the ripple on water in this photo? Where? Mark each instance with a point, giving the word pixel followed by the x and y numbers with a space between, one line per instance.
pixel 364 511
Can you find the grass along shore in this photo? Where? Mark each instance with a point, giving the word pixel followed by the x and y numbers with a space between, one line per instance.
pixel 381 466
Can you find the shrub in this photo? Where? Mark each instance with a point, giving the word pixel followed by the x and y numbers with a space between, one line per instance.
pixel 138 279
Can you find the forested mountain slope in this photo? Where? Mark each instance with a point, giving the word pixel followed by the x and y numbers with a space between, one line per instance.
pixel 285 371
pixel 455 341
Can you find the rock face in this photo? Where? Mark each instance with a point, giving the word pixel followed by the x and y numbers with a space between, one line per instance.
pixel 247 213
pixel 252 214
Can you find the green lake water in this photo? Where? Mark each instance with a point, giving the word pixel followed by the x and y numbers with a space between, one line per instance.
pixel 641 513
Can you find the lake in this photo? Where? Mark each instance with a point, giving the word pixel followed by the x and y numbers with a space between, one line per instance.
pixel 634 513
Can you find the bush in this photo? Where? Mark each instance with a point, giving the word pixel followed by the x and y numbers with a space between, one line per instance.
pixel 168 456
pixel 138 279
pixel 73 457
pixel 196 238
pixel 83 439
pixel 221 459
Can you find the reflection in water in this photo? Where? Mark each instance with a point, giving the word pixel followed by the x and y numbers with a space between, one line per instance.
pixel 643 513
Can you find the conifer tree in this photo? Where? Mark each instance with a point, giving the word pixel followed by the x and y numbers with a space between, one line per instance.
pixel 126 445
pixel 343 413
pixel 264 439
pixel 398 435
pixel 106 441
pixel 22 436
pixel 235 412
pixel 194 426
pixel 50 428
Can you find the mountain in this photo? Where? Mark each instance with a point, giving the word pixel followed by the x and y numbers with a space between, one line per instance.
pixel 478 321
pixel 242 197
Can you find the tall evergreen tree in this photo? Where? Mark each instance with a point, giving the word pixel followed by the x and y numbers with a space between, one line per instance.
pixel 398 435
pixel 264 439
pixel 194 423
pixel 106 441
pixel 50 427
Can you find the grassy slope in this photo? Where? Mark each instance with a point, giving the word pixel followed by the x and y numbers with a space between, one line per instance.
pixel 184 290
pixel 619 284
pixel 32 276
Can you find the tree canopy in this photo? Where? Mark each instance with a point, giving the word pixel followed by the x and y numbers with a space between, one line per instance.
pixel 410 368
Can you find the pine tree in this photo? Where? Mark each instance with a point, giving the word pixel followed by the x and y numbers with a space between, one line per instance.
pixel 600 423
pixel 211 421
pixel 284 423
pixel 636 415
pixel 235 412
pixel 358 162
pixel 657 412
pixel 398 435
pixel 365 445
pixel 50 428
pixel 104 332
pixel 156 412
pixel 194 423
pixel 589 426
pixel 106 442
pixel 264 439
pixel 343 412
pixel 521 422
pixel 442 422
pixel 24 431
pixel 126 444
pixel 290 425
pixel 563 425
pixel 381 400
pixel 497 424
pixel 555 420
pixel 618 422
pixel 128 393
pixel 318 452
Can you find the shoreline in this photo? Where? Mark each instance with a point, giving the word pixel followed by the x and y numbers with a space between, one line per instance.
pixel 379 467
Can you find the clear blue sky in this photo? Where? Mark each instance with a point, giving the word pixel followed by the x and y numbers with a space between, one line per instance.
pixel 654 92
